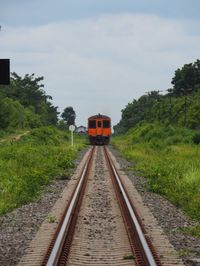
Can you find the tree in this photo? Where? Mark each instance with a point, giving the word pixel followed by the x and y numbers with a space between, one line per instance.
pixel 12 114
pixel 186 79
pixel 69 115
pixel 28 91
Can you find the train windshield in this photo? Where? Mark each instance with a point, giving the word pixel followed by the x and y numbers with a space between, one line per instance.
pixel 99 123
pixel 106 123
pixel 92 123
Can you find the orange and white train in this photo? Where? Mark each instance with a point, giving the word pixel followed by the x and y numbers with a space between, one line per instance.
pixel 99 129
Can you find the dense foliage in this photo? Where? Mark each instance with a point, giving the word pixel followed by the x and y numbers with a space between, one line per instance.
pixel 32 150
pixel 29 164
pixel 161 138
pixel 69 115
pixel 24 103
pixel 186 79
pixel 169 158
pixel 180 106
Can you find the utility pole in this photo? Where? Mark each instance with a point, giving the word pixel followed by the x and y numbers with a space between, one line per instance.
pixel 170 104
pixel 185 107
pixel 185 104
pixel 148 115
pixel 159 111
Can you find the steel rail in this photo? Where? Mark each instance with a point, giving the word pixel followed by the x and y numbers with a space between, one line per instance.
pixel 60 239
pixel 148 253
pixel 59 248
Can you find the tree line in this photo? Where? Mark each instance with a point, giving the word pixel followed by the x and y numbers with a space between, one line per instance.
pixel 179 106
pixel 24 103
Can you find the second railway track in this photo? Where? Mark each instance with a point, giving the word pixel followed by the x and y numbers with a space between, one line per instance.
pixel 101 226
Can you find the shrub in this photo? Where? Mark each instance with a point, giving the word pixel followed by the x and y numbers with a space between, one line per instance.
pixel 196 138
pixel 169 162
pixel 45 135
pixel 28 165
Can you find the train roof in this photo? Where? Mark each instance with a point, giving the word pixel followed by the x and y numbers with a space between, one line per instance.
pixel 99 116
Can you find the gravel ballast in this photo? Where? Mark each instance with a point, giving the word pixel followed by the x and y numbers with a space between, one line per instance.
pixel 169 217
pixel 100 236
pixel 19 227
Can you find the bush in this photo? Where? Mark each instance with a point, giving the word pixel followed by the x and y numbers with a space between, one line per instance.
pixel 45 135
pixel 28 165
pixel 168 160
pixel 196 138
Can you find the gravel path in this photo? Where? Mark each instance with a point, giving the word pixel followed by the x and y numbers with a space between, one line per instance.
pixel 19 227
pixel 170 218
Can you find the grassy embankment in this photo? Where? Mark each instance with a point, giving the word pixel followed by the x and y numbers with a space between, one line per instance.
pixel 29 164
pixel 170 161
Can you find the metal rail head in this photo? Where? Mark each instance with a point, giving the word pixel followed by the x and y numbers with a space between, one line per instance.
pixel 149 258
pixel 60 239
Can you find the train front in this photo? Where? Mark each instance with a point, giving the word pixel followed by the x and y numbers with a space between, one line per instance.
pixel 99 129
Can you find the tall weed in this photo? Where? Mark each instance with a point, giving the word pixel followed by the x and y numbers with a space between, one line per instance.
pixel 28 165
pixel 169 160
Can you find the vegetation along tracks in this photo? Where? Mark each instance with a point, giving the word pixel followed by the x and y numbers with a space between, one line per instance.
pixel 93 231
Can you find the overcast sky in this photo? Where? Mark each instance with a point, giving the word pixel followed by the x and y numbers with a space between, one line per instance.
pixel 98 55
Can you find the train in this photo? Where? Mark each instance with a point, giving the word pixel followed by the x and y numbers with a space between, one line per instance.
pixel 99 129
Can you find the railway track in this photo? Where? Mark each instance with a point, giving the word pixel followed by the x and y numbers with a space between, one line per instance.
pixel 140 250
pixel 100 225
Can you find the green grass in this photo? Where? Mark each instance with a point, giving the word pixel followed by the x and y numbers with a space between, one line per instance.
pixel 51 219
pixel 169 160
pixel 193 230
pixel 28 165
pixel 128 257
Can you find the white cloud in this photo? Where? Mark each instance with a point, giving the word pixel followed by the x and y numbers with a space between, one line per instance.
pixel 98 65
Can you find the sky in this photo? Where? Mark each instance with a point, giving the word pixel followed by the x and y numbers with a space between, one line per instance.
pixel 99 55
